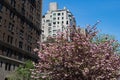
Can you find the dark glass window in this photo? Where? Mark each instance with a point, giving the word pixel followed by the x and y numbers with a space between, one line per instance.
pixel 9 52
pixel 20 44
pixel 58 14
pixel 23 10
pixel 12 15
pixel 1 7
pixel 9 39
pixel 13 3
pixel 0 20
pixel 20 57
pixel 30 28
pixel 23 1
pixel 14 67
pixel 49 24
pixel 29 48
pixel 54 18
pixel 6 65
pixel 1 63
pixel 31 8
pixel 54 35
pixel 21 33
pixel 54 22
pixel 9 67
pixel 58 18
pixel 54 14
pixel 31 17
pixel 62 22
pixel 10 27
pixel 66 22
pixel 47 20
pixel 29 38
pixel 62 28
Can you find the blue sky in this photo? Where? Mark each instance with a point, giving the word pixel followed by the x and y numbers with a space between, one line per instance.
pixel 89 11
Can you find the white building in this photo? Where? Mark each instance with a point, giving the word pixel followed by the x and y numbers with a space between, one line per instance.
pixel 56 20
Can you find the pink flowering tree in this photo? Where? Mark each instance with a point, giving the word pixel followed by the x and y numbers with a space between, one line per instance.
pixel 78 58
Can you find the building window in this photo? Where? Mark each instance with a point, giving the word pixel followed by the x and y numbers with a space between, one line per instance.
pixel 54 31
pixel 62 22
pixel 12 15
pixel 66 22
pixel 49 28
pixel 30 28
pixel 37 24
pixel 42 27
pixel 57 22
pixel 54 35
pixel 20 44
pixel 1 7
pixel 62 17
pixel 6 9
pixel 58 14
pixel 23 1
pixel 62 28
pixel 62 13
pixel 3 36
pixel 29 38
pixel 54 22
pixel 70 15
pixel 22 22
pixel 1 63
pixel 49 32
pixel 7 66
pixel 10 39
pixel 13 3
pixel 47 20
pixel 58 18
pixel 31 17
pixel 49 24
pixel 0 20
pixel 20 57
pixel 54 18
pixel 29 48
pixel 21 33
pixel 38 16
pixel 10 27
pixel 23 10
pixel 14 67
pixel 54 14
pixel 31 8
pixel 9 52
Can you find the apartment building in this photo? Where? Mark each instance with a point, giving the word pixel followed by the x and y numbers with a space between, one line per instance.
pixel 56 20
pixel 20 30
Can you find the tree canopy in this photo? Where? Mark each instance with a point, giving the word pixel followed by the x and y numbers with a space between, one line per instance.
pixel 79 59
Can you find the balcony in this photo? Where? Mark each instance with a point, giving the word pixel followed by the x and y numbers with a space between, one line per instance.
pixel 31 56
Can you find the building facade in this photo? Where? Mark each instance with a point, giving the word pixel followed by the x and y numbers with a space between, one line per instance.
pixel 20 30
pixel 56 20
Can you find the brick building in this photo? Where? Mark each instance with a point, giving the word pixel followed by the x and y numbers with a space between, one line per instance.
pixel 20 30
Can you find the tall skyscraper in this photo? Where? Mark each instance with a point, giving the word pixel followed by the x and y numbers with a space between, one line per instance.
pixel 56 20
pixel 20 29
